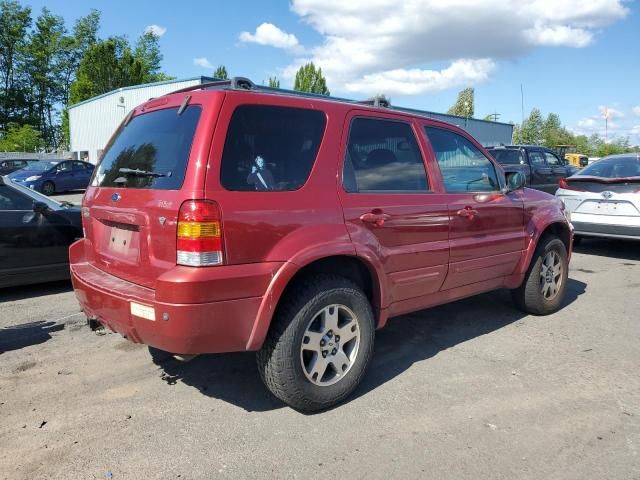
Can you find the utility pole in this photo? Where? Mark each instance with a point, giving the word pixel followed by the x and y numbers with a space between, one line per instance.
pixel 495 116
pixel 522 102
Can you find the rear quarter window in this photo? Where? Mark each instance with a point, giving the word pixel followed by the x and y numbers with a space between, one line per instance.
pixel 270 148
pixel 150 152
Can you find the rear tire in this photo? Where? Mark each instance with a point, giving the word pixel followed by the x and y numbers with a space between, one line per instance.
pixel 48 188
pixel 319 345
pixel 545 283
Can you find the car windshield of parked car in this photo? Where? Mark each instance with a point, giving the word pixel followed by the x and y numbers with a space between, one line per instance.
pixel 150 152
pixel 39 166
pixel 614 167
pixel 507 156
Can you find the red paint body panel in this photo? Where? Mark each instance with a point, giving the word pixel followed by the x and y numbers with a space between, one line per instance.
pixel 424 253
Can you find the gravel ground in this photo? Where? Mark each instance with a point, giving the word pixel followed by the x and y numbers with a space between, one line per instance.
pixel 469 390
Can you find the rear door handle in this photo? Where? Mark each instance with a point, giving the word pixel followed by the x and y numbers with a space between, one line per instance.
pixel 377 218
pixel 467 212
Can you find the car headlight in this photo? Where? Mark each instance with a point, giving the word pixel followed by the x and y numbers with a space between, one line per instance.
pixel 33 178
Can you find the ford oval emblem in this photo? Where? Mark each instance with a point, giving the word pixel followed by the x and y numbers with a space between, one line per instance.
pixel 115 197
pixel 607 195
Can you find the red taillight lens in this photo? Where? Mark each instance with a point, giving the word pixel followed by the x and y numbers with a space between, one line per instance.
pixel 565 185
pixel 199 241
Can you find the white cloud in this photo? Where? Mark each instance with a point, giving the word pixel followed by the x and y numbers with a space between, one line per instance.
pixel 269 34
pixel 157 30
pixel 202 62
pixel 612 112
pixel 617 125
pixel 413 47
pixel 636 110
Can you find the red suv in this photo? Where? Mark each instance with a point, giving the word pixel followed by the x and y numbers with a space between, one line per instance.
pixel 228 217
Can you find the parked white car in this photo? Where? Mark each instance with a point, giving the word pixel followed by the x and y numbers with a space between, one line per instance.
pixel 604 198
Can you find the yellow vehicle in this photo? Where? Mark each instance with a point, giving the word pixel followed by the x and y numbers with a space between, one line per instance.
pixel 578 160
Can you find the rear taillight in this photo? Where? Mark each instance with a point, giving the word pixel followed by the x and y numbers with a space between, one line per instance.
pixel 199 234
pixel 565 185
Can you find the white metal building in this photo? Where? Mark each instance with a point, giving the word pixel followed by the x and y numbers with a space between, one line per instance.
pixel 92 122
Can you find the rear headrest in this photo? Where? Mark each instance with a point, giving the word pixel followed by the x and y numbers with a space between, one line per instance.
pixel 380 156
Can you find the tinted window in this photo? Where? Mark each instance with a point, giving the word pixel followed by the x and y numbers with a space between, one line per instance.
pixel 463 166
pixel 65 166
pixel 552 159
pixel 508 157
pixel 79 166
pixel 270 148
pixel 536 158
pixel 383 156
pixel 620 167
pixel 150 152
pixel 12 200
pixel 39 166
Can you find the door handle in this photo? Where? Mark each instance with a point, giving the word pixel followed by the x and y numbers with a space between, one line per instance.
pixel 377 218
pixel 467 212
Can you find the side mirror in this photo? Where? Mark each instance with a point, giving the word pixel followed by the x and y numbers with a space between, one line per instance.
pixel 40 208
pixel 515 181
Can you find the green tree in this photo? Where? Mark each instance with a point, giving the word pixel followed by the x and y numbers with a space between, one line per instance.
pixel 107 65
pixel 310 79
pixel 274 82
pixel 147 52
pixel 14 22
pixel 221 73
pixel 21 138
pixel 464 106
pixel 532 129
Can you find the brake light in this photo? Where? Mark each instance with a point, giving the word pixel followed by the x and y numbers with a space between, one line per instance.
pixel 199 234
pixel 565 185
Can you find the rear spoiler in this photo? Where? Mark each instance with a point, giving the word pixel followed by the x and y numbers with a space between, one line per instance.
pixel 587 178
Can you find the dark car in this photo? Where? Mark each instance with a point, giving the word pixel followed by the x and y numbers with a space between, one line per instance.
pixel 11 165
pixel 227 218
pixel 35 234
pixel 50 177
pixel 542 167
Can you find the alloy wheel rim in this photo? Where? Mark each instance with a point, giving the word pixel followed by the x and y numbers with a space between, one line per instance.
pixel 330 345
pixel 551 275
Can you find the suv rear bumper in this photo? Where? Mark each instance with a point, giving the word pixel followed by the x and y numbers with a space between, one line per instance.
pixel 178 327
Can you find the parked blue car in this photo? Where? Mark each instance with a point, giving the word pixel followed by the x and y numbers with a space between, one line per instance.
pixel 50 177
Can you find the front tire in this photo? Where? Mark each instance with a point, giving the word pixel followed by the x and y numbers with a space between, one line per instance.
pixel 48 188
pixel 545 283
pixel 319 345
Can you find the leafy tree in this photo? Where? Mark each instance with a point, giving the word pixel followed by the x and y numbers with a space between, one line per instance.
pixel 464 106
pixel 274 82
pixel 14 22
pixel 147 52
pixel 310 79
pixel 221 73
pixel 23 138
pixel 531 130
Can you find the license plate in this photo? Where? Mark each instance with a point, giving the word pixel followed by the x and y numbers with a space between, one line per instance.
pixel 143 311
pixel 607 208
pixel 120 240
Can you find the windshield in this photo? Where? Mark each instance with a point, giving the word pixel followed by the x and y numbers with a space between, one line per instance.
pixel 507 157
pixel 38 166
pixel 150 152
pixel 613 167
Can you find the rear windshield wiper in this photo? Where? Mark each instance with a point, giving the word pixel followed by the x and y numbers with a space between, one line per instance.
pixel 142 173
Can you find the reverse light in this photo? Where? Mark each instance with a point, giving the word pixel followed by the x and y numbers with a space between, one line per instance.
pixel 565 185
pixel 199 242
pixel 33 178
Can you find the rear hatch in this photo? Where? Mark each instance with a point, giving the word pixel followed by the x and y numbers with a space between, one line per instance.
pixel 603 196
pixel 155 161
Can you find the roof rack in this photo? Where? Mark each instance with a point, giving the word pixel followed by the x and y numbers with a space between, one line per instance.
pixel 235 83
pixel 376 102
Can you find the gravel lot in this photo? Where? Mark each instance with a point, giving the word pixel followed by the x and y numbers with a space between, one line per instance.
pixel 470 390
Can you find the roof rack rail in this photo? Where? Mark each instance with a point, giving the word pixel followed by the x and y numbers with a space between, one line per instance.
pixel 235 83
pixel 376 102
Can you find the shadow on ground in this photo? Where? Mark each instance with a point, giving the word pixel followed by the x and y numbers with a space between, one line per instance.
pixel 403 342
pixel 603 247
pixel 26 335
pixel 24 292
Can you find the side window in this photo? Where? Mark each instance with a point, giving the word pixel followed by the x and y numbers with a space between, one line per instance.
pixel 383 156
pixel 463 166
pixel 536 158
pixel 270 148
pixel 64 167
pixel 12 200
pixel 552 159
pixel 79 166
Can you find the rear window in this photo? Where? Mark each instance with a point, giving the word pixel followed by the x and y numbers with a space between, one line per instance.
pixel 270 148
pixel 150 152
pixel 507 157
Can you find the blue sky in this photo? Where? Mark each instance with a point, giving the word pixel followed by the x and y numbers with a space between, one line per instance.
pixel 572 57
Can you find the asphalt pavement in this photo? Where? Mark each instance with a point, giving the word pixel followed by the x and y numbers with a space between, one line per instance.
pixel 469 390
